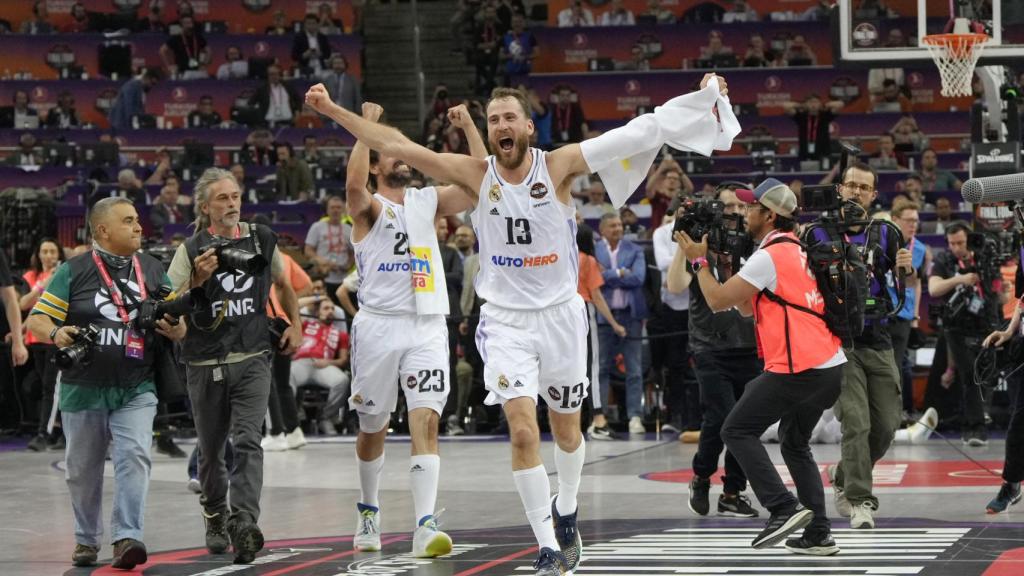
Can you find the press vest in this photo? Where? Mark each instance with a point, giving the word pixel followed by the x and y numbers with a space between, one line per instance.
pixel 789 340
pixel 243 299
pixel 91 304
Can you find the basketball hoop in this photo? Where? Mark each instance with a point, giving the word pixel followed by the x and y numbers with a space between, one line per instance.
pixel 955 55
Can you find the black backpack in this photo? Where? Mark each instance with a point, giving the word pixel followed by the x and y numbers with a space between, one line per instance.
pixel 842 279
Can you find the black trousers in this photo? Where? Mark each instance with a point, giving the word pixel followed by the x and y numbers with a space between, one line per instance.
pixel 41 355
pixel 798 401
pixel 1013 469
pixel 722 375
pixel 682 395
pixel 963 349
pixel 284 414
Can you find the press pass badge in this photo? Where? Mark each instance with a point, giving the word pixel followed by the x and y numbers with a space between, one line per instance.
pixel 193 63
pixel 135 344
pixel 218 374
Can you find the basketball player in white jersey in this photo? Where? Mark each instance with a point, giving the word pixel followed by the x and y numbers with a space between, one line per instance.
pixel 394 347
pixel 532 333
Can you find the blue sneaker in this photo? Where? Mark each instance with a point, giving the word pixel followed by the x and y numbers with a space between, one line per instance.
pixel 1008 495
pixel 568 535
pixel 550 563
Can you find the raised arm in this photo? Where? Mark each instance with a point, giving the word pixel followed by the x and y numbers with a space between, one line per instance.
pixel 460 117
pixel 454 168
pixel 569 161
pixel 361 205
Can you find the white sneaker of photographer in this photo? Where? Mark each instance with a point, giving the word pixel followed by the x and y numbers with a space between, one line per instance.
pixel 295 439
pixel 274 443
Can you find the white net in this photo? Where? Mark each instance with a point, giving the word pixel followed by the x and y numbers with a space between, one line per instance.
pixel 956 56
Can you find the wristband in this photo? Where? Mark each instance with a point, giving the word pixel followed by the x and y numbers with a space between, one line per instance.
pixel 698 263
pixel 53 333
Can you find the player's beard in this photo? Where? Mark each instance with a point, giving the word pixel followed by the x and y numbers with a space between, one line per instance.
pixel 398 179
pixel 512 160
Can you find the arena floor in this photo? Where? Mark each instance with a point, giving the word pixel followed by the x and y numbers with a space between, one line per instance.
pixel 633 506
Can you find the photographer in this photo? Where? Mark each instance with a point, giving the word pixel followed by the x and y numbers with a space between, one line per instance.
pixel 802 360
pixel 972 309
pixel 108 383
pixel 725 359
pixel 1013 466
pixel 869 406
pixel 227 355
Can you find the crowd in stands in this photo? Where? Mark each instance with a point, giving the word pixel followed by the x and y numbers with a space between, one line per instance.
pixel 495 37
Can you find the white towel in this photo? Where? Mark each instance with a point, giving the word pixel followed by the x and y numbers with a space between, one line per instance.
pixel 424 253
pixel 622 157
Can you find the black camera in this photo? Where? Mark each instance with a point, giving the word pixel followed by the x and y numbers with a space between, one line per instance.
pixel 231 256
pixel 277 327
pixel 184 304
pixel 79 352
pixel 727 234
pixel 700 217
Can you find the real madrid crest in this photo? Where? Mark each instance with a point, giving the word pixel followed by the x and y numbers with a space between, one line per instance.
pixel 390 212
pixel 494 193
pixel 502 382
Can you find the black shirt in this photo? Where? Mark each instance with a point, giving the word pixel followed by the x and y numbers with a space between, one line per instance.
pixel 186 50
pixel 813 130
pixel 946 265
pixel 710 331
pixel 5 281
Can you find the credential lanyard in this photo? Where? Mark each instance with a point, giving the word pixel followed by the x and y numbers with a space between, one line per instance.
pixel 115 296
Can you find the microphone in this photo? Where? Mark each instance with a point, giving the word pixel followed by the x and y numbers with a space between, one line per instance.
pixel 1005 188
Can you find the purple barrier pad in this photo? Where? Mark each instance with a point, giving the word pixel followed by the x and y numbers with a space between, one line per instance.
pixel 154 138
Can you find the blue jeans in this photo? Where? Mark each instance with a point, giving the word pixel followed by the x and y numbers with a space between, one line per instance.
pixel 611 346
pixel 88 433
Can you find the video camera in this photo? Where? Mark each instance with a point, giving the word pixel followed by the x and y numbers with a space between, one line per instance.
pixel 840 218
pixel 965 307
pixel 231 256
pixel 727 234
pixel 184 304
pixel 80 349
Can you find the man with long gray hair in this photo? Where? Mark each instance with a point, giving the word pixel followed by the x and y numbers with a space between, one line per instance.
pixel 227 354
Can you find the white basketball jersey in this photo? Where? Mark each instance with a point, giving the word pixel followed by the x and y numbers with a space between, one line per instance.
pixel 382 257
pixel 528 255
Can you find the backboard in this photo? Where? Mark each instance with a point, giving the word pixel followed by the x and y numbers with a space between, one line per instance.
pixel 878 33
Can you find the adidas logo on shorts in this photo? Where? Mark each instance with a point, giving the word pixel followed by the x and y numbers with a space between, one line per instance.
pixel 416 468
pixel 494 212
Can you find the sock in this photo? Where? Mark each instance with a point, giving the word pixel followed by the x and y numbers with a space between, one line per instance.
pixel 423 472
pixel 570 469
pixel 535 492
pixel 369 480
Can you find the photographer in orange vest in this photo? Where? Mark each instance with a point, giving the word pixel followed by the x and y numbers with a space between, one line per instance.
pixel 802 361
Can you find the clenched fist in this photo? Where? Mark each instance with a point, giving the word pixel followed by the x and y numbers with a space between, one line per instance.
pixel 372 112
pixel 318 99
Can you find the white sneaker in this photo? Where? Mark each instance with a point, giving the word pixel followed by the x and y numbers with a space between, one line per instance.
pixel 636 426
pixel 429 542
pixel 274 443
pixel 194 486
pixel 295 439
pixel 863 516
pixel 842 504
pixel 367 538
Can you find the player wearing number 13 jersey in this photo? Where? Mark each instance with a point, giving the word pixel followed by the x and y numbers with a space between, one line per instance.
pixel 533 328
pixel 393 347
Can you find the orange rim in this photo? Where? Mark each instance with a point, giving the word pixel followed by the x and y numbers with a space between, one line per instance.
pixel 955 40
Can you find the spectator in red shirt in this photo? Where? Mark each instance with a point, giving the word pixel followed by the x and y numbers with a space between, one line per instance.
pixel 320 359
